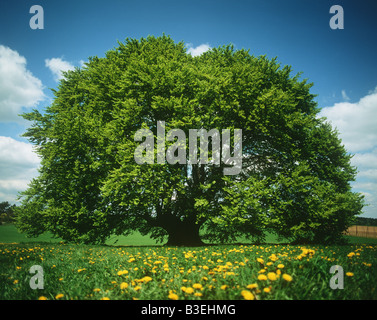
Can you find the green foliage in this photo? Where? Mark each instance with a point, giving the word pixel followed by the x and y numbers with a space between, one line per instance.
pixel 6 212
pixel 366 221
pixel 295 175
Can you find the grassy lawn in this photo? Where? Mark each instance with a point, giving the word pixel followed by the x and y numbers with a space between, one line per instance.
pixel 145 271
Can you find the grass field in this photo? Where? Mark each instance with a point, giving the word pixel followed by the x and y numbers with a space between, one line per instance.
pixel 146 271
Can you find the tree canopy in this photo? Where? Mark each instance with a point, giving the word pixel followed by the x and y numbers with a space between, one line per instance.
pixel 295 176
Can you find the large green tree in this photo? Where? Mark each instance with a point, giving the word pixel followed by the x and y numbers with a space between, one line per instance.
pixel 295 176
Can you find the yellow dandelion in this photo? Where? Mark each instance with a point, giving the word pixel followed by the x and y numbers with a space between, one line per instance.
pixel 42 298
pixel 122 272
pixel 105 298
pixel 223 287
pixel 267 290
pixel 280 266
pixel 287 277
pixel 272 276
pixel 260 260
pixel 124 285
pixel 189 290
pixel 173 296
pixel 137 288
pixel 349 274
pixel 262 277
pixel 198 294
pixel 58 296
pixel 252 286
pixel 273 257
pixel 197 286
pixel 96 290
pixel 247 295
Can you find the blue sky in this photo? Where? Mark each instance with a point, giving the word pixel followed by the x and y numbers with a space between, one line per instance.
pixel 342 64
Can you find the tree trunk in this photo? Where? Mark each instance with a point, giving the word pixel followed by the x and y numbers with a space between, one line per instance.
pixel 184 234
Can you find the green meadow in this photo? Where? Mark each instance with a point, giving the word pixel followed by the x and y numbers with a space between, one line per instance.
pixel 136 268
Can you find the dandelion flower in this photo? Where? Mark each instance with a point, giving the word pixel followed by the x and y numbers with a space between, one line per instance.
pixel 267 290
pixel 173 296
pixel 252 286
pixel 272 276
pixel 349 274
pixel 198 294
pixel 223 287
pixel 247 295
pixel 105 298
pixel 122 272
pixel 124 285
pixel 280 266
pixel 58 296
pixel 189 290
pixel 96 290
pixel 262 277
pixel 42 298
pixel 197 286
pixel 287 277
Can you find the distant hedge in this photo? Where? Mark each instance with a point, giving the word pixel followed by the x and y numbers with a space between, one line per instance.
pixel 366 221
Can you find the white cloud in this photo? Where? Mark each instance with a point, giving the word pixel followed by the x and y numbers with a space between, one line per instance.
pixel 356 122
pixel 197 51
pixel 57 65
pixel 18 87
pixel 344 95
pixel 367 159
pixel 18 165
pixel 357 126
